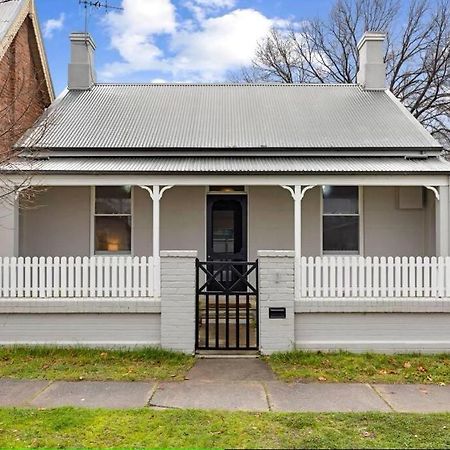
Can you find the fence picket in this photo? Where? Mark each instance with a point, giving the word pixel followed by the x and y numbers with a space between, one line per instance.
pixel 71 276
pixel 361 277
pixel 404 271
pixel 369 267
pixel 6 266
pixel 426 276
pixel 13 279
pixel 20 277
pixel 447 276
pixel 412 277
pixel 55 288
pixel 41 276
pixel 433 265
pixel 85 276
pixel 310 266
pixel 440 276
pixel 63 272
pixel 318 277
pixel 303 279
pixel 346 270
pixel 419 277
pixel 128 276
pixel 332 265
pixel 49 276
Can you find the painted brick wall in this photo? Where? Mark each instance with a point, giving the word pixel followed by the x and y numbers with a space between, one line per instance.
pixel 23 94
pixel 276 289
pixel 178 300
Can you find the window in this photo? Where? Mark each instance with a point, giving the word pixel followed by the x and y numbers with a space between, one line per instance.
pixel 340 219
pixel 112 219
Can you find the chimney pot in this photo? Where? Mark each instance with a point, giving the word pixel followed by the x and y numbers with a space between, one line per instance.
pixel 81 67
pixel 372 69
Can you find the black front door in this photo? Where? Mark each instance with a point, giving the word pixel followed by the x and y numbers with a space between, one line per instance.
pixel 227 228
pixel 226 237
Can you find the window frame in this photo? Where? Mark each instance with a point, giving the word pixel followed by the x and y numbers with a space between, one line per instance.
pixel 360 214
pixel 92 225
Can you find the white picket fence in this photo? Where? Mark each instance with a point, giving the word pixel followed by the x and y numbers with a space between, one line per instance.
pixel 372 277
pixel 94 277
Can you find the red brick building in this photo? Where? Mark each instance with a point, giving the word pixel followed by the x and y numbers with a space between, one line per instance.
pixel 25 84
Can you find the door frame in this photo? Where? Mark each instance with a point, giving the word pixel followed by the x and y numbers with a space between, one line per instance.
pixel 208 192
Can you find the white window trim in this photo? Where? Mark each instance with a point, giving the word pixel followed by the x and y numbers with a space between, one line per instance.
pixel 92 227
pixel 361 226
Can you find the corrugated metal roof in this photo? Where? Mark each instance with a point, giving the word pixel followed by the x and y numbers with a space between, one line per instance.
pixel 119 116
pixel 229 165
pixel 8 14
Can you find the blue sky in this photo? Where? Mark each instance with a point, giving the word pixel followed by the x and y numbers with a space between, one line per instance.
pixel 167 40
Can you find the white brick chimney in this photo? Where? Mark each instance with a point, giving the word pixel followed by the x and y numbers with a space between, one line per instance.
pixel 81 67
pixel 372 69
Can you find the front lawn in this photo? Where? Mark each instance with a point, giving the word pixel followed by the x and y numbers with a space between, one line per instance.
pixel 144 428
pixel 361 368
pixel 52 363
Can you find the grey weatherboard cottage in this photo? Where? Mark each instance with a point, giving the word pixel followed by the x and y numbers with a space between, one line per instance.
pixel 319 215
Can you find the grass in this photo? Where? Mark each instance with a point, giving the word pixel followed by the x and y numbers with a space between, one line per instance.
pixel 144 428
pixel 361 368
pixel 53 363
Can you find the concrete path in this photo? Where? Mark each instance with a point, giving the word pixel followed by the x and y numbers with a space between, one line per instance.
pixel 227 384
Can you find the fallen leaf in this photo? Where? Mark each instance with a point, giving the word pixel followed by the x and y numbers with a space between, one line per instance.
pixel 368 434
pixel 407 365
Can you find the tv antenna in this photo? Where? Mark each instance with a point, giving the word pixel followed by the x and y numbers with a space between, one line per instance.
pixel 88 4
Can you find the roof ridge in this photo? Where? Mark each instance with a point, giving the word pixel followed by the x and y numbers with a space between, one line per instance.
pixel 223 84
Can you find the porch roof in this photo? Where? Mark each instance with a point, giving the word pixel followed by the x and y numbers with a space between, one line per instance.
pixel 232 117
pixel 231 165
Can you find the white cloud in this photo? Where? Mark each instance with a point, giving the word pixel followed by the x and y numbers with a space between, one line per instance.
pixel 216 3
pixel 144 16
pixel 52 25
pixel 202 9
pixel 203 47
pixel 132 34
pixel 222 43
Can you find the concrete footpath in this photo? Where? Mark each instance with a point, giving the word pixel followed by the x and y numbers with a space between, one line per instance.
pixel 227 384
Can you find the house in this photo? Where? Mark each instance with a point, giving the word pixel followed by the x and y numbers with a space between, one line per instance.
pixel 25 85
pixel 211 217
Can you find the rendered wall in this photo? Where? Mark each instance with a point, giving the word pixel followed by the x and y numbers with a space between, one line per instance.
pixel 61 219
pixel 183 220
pixel 390 231
pixel 271 219
pixel 94 330
pixel 377 332
pixel 57 224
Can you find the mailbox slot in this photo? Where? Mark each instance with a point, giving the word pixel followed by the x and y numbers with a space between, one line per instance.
pixel 277 313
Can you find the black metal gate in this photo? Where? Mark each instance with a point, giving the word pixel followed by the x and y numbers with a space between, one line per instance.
pixel 227 305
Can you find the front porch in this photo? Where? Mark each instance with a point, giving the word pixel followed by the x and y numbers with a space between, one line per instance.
pixel 386 289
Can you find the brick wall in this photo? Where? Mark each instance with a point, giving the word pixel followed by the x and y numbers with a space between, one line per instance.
pixel 178 300
pixel 276 290
pixel 23 91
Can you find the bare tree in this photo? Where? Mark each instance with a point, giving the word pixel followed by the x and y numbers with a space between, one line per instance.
pixel 325 51
pixel 23 97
